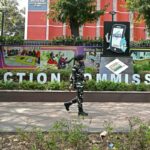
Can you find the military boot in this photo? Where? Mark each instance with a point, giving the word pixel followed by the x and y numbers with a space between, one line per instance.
pixel 67 105
pixel 81 112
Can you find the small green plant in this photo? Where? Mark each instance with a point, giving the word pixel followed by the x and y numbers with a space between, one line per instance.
pixel 64 85
pixel 70 134
pixel 102 85
pixel 8 85
pixel 138 136
pixel 141 65
pixel 95 147
pixel 27 85
pixel 90 85
pixel 53 85
pixel 142 87
pixel 76 136
pixel 62 135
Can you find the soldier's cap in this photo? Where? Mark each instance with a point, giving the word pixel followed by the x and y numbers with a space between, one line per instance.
pixel 79 57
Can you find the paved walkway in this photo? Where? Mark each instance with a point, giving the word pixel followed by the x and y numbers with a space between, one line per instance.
pixel 27 115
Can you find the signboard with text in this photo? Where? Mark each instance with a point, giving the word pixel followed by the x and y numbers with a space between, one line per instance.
pixel 39 5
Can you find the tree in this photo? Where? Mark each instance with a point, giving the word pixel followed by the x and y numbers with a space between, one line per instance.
pixel 142 7
pixel 13 18
pixel 75 13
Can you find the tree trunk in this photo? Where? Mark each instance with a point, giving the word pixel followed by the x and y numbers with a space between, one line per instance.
pixel 74 29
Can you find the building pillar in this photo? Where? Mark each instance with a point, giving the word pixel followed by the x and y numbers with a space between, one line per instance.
pixel 26 22
pixel 131 20
pixel 81 31
pixel 114 8
pixel 64 29
pixel 98 21
pixel 146 33
pixel 47 21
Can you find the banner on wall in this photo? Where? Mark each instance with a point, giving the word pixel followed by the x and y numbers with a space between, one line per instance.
pixel 116 38
pixel 46 57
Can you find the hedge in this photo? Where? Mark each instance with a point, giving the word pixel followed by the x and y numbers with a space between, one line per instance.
pixel 90 85
pixel 80 41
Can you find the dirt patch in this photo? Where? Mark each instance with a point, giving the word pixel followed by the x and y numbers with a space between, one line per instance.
pixel 16 142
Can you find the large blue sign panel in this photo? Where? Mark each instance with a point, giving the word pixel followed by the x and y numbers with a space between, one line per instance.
pixel 39 5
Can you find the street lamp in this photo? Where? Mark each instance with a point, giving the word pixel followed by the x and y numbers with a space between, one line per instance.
pixel 112 14
pixel 2 21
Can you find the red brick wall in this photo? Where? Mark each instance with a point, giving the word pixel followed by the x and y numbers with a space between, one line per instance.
pixel 122 13
pixel 55 29
pixel 36 26
pixel 139 29
pixel 37 23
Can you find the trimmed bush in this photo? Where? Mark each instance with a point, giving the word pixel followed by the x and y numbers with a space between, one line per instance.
pixel 142 87
pixel 102 86
pixel 90 85
pixel 27 85
pixel 64 85
pixel 141 65
pixel 68 41
pixel 9 85
pixel 53 85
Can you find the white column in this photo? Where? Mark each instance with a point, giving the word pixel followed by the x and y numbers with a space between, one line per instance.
pixel 98 21
pixel 146 33
pixel 81 31
pixel 26 22
pixel 131 20
pixel 115 8
pixel 47 21
pixel 64 29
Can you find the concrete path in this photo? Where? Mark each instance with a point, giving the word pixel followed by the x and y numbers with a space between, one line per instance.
pixel 27 115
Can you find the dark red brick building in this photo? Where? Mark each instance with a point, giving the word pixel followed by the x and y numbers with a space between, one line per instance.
pixel 39 27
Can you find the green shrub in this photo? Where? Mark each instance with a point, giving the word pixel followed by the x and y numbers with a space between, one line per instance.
pixel 53 85
pixel 142 87
pixel 92 71
pixel 79 41
pixel 141 65
pixel 27 85
pixel 71 135
pixel 137 68
pixel 137 137
pixel 76 136
pixel 112 86
pixel 122 86
pixel 12 40
pixel 9 85
pixel 131 87
pixel 62 135
pixel 2 73
pixel 65 74
pixel 64 85
pixel 90 85
pixel 102 85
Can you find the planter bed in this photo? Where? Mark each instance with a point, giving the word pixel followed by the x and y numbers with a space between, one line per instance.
pixel 62 96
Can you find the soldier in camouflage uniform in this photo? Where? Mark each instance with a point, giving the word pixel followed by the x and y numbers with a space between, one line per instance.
pixel 77 82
